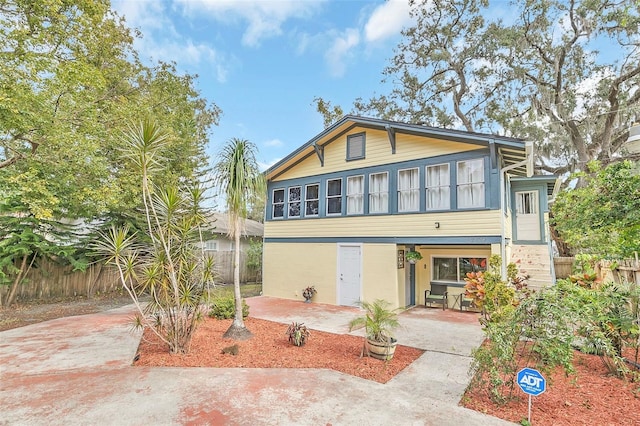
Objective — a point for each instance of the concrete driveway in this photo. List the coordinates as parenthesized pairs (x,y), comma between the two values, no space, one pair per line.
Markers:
(77,371)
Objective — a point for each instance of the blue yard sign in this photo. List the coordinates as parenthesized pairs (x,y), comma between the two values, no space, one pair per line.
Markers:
(532,383)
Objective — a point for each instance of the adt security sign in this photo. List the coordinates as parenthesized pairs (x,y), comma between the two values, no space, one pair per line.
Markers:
(531,381)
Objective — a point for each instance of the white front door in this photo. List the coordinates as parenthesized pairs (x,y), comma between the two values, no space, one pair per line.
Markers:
(527,216)
(349,268)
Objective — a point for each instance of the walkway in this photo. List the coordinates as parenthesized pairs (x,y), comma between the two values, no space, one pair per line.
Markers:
(77,371)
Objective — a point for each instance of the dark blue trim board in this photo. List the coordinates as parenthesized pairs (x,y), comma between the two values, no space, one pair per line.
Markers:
(481,240)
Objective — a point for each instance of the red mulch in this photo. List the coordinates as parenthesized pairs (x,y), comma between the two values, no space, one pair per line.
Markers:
(270,348)
(592,396)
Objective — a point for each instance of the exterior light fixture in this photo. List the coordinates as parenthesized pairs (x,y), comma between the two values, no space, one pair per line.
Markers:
(437,225)
(633,142)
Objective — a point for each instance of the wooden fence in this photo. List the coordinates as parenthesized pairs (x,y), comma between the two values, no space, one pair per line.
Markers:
(627,270)
(52,281)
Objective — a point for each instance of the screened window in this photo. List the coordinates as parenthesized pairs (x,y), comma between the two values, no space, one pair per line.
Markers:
(527,202)
(334,196)
(311,200)
(408,190)
(295,197)
(379,193)
(355,147)
(455,269)
(278,203)
(211,246)
(471,183)
(355,195)
(437,184)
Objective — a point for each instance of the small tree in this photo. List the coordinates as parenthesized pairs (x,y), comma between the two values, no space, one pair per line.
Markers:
(240,181)
(165,261)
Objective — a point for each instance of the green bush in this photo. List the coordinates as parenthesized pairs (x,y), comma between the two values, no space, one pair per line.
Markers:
(225,308)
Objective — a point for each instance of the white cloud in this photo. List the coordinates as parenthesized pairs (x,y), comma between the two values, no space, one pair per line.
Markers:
(274,143)
(161,40)
(264,18)
(264,166)
(340,52)
(387,20)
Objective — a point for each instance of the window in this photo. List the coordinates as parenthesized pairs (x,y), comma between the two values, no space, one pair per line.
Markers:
(294,201)
(527,202)
(355,195)
(311,200)
(408,190)
(454,269)
(211,246)
(334,196)
(379,193)
(355,147)
(437,184)
(471,183)
(278,203)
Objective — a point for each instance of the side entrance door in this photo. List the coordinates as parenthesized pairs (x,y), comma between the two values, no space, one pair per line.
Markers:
(349,274)
(527,216)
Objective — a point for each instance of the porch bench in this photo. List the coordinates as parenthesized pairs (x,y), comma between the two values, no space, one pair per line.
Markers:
(436,296)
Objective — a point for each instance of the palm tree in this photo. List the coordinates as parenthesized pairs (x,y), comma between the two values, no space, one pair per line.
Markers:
(239,179)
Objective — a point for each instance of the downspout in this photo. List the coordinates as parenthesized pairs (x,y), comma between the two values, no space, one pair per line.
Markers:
(528,161)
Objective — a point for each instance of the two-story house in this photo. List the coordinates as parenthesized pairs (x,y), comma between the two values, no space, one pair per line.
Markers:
(344,209)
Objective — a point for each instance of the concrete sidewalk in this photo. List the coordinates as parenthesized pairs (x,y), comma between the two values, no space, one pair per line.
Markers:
(77,371)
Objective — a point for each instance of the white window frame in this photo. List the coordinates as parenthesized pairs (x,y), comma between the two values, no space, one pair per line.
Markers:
(210,245)
(413,190)
(330,197)
(378,194)
(439,187)
(274,204)
(460,279)
(308,200)
(355,196)
(466,183)
(291,202)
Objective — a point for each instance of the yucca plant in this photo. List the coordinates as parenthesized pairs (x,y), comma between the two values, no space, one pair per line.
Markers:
(165,261)
(298,333)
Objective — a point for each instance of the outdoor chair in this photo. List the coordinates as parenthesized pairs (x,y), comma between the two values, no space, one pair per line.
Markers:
(436,296)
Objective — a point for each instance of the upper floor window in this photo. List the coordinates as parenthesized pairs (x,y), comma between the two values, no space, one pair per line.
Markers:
(408,190)
(355,147)
(211,246)
(437,183)
(311,200)
(355,195)
(379,192)
(278,203)
(471,183)
(295,197)
(334,196)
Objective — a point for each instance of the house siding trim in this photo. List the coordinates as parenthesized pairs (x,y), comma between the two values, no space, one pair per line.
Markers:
(477,240)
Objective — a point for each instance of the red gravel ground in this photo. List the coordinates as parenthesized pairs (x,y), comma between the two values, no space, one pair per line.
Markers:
(270,348)
(590,397)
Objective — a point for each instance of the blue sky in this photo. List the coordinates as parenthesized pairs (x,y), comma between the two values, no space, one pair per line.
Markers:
(262,62)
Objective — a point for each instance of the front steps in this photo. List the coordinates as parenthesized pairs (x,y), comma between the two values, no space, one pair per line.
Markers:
(534,261)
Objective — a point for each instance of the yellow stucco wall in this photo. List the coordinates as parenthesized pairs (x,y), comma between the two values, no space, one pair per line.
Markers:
(423,266)
(377,152)
(475,223)
(290,267)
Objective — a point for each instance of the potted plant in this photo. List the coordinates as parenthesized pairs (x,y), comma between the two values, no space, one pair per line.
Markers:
(308,293)
(298,333)
(379,322)
(413,256)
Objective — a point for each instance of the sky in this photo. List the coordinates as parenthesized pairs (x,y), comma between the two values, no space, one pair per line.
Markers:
(264,61)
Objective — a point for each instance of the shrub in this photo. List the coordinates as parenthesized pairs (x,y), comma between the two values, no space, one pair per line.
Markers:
(225,308)
(298,333)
